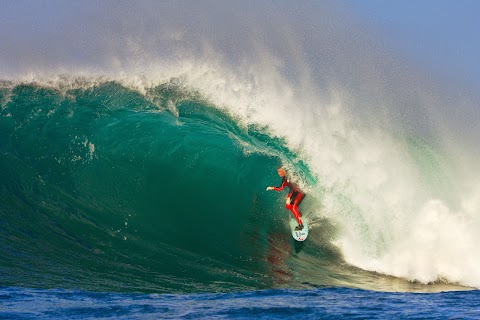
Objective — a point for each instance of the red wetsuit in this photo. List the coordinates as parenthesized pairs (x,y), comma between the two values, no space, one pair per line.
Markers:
(295,196)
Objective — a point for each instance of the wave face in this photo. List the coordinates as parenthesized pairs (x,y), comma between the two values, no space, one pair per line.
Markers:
(105,189)
(100,183)
(135,153)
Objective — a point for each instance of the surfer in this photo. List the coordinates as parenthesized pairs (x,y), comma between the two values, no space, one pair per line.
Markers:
(294,197)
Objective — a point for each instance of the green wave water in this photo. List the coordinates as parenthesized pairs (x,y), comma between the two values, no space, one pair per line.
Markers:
(102,189)
(107,189)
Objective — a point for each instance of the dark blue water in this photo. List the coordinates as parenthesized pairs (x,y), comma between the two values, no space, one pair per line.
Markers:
(321,303)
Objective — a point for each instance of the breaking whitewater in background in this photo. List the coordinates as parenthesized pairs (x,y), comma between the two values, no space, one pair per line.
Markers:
(136,142)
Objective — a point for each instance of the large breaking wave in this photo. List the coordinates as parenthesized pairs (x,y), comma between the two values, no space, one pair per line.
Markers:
(139,160)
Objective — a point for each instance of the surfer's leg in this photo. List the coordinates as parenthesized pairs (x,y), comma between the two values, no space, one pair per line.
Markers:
(295,212)
(298,199)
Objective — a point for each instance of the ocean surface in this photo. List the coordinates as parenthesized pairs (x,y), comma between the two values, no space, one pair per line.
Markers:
(321,303)
(134,167)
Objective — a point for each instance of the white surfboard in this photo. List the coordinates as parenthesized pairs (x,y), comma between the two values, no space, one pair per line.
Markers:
(299,235)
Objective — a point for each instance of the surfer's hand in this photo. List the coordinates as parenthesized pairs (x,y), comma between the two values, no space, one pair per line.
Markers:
(269,188)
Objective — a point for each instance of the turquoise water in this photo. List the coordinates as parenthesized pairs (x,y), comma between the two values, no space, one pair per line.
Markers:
(105,189)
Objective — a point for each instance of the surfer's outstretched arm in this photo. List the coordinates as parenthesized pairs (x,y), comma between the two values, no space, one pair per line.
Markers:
(284,184)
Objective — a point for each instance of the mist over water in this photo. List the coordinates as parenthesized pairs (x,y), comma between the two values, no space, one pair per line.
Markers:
(392,151)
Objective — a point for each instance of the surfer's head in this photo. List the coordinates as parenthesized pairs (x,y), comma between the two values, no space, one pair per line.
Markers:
(281,172)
